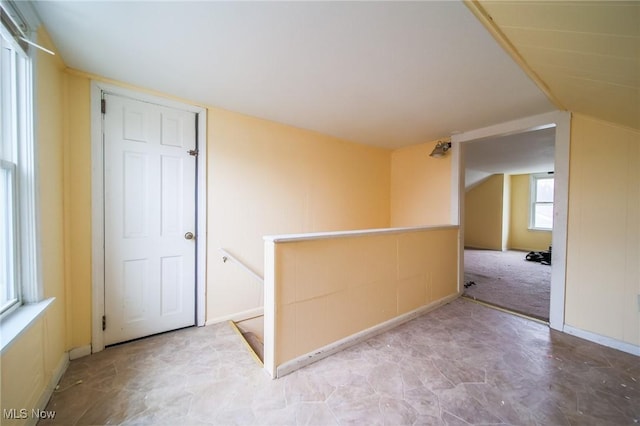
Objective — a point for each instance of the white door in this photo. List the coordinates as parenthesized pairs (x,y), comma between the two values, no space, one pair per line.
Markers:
(149,214)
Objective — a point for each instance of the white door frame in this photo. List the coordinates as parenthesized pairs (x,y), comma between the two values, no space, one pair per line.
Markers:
(97,202)
(562,122)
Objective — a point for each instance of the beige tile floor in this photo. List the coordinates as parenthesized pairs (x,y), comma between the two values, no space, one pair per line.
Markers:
(461,364)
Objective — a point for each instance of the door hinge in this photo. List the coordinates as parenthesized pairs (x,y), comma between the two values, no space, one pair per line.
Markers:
(193,152)
(103,106)
(104,323)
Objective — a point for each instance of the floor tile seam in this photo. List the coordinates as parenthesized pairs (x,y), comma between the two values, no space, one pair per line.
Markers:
(560,409)
(614,405)
(190,413)
(443,411)
(333,413)
(610,367)
(486,407)
(609,393)
(318,403)
(335,388)
(444,376)
(433,393)
(86,410)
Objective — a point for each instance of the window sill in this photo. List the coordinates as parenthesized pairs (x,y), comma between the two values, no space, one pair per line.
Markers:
(18,321)
(540,230)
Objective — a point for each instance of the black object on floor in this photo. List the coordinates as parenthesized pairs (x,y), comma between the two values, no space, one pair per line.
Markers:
(543,257)
(469,284)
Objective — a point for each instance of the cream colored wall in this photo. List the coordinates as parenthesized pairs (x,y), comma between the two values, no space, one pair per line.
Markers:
(328,289)
(23,372)
(263,178)
(483,214)
(29,364)
(267,178)
(521,237)
(506,211)
(603,248)
(420,187)
(78,209)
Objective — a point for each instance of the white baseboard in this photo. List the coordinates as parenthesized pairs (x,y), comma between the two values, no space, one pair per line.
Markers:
(48,390)
(239,316)
(603,340)
(332,348)
(76,353)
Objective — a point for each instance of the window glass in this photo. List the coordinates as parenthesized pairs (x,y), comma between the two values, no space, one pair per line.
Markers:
(544,190)
(9,294)
(16,173)
(543,216)
(542,187)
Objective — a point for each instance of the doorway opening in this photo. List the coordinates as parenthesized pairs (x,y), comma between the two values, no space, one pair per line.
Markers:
(531,131)
(145,166)
(508,221)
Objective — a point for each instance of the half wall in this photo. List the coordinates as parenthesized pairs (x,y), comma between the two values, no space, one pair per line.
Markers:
(322,289)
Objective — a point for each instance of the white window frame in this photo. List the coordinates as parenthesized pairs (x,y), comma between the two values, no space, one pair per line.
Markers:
(533,197)
(18,148)
(10,245)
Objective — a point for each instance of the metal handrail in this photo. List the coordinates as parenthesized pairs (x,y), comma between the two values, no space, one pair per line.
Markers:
(228,256)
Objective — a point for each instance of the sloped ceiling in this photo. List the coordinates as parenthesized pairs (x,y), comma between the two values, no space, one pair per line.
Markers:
(586,52)
(528,152)
(388,74)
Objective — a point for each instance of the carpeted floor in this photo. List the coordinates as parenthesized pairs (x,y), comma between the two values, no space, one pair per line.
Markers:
(507,280)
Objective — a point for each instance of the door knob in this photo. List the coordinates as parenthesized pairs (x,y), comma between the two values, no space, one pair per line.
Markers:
(189,236)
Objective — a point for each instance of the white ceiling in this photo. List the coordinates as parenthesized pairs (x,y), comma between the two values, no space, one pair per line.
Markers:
(389,74)
(530,152)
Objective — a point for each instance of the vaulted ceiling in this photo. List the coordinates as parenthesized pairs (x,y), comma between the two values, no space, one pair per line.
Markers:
(389,74)
(381,73)
(587,53)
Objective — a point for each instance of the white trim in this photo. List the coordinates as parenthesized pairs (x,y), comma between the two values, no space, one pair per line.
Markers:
(457,179)
(533,196)
(228,256)
(287,238)
(237,317)
(337,346)
(97,220)
(457,206)
(560,220)
(29,211)
(12,277)
(28,13)
(269,328)
(535,122)
(201,218)
(562,122)
(80,352)
(14,325)
(60,369)
(603,340)
(97,202)
(22,151)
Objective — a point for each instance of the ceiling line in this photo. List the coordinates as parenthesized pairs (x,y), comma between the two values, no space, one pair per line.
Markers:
(483,16)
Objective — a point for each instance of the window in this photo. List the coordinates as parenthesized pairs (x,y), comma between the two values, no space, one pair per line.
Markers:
(541,202)
(10,291)
(18,260)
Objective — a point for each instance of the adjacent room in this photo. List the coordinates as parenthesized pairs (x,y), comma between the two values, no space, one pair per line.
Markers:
(509,221)
(268,213)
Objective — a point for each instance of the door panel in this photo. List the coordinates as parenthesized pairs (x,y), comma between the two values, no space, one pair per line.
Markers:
(171,170)
(171,280)
(134,184)
(149,206)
